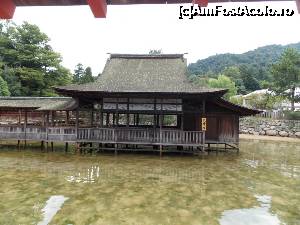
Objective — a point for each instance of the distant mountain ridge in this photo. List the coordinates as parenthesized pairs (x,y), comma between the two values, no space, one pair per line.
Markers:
(261,57)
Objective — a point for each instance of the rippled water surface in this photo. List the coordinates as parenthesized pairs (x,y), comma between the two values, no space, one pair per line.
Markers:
(258,186)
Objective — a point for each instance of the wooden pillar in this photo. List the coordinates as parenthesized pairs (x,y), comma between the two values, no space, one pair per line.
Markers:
(101,113)
(25,128)
(92,118)
(76,123)
(42,145)
(7,9)
(127,115)
(66,147)
(203,115)
(160,134)
(47,125)
(107,119)
(114,119)
(117,114)
(137,119)
(98,7)
(116,149)
(52,118)
(67,118)
(77,147)
(19,117)
(51,146)
(18,144)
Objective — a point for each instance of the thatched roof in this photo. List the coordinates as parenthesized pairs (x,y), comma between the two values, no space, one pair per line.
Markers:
(126,73)
(38,103)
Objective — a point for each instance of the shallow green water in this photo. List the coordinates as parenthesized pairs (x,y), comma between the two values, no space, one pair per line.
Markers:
(260,185)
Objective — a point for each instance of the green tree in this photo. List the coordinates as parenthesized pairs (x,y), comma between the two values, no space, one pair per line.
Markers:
(87,76)
(223,82)
(248,77)
(81,75)
(29,65)
(286,76)
(3,88)
(234,73)
(78,73)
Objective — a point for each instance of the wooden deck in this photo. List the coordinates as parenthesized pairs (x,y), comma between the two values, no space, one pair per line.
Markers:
(116,135)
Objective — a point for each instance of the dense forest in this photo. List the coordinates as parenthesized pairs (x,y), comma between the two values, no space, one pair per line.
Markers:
(250,71)
(28,64)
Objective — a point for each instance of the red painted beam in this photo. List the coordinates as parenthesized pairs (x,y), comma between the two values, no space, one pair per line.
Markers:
(201,3)
(7,9)
(98,7)
(298,5)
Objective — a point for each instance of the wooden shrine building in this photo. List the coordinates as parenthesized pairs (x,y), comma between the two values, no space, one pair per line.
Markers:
(138,102)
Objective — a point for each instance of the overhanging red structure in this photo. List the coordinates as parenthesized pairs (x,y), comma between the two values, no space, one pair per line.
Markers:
(99,7)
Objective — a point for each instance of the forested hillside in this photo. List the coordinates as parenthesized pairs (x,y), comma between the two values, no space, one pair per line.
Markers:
(260,58)
(249,71)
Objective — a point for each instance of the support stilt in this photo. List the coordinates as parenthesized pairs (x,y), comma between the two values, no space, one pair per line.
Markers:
(160,150)
(51,146)
(42,145)
(116,149)
(19,145)
(66,147)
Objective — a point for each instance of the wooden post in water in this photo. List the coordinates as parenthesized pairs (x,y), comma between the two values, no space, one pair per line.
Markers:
(51,146)
(66,147)
(116,149)
(18,144)
(42,145)
(77,147)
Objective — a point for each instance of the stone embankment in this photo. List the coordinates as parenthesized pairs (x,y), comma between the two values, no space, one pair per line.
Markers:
(270,127)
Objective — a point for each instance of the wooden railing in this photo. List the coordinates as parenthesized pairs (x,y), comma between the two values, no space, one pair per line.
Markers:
(104,135)
(146,136)
(38,133)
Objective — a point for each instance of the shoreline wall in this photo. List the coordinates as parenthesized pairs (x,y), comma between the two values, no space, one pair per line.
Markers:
(270,127)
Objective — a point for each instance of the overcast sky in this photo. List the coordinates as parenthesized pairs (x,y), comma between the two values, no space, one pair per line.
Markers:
(79,37)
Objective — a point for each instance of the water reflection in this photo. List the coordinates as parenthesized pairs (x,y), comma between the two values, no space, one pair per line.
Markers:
(89,175)
(254,216)
(144,189)
(53,205)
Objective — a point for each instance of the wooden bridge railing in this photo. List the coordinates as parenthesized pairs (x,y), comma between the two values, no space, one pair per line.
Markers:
(105,135)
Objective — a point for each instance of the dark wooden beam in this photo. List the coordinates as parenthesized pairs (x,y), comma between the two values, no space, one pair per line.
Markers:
(7,9)
(67,118)
(98,7)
